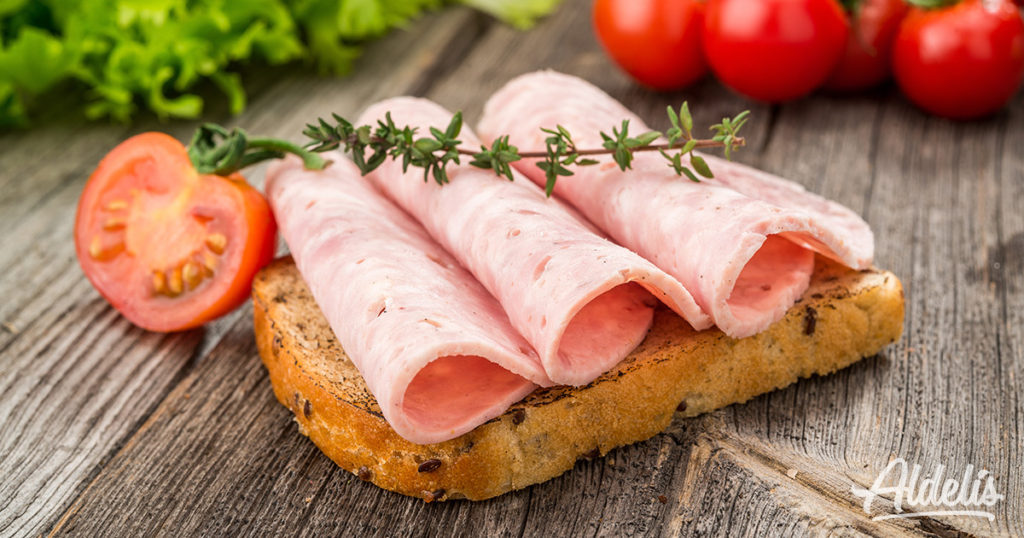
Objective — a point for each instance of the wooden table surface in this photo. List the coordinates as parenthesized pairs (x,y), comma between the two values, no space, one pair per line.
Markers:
(106,429)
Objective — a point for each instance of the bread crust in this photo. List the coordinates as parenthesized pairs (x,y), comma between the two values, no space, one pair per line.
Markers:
(844,315)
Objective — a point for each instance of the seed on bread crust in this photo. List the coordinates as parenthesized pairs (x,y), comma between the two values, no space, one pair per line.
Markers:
(429,466)
(431,496)
(810,320)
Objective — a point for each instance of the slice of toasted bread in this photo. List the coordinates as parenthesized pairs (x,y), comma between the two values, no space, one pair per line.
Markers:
(845,315)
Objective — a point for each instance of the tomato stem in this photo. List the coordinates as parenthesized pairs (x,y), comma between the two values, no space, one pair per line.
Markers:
(931,4)
(310,160)
(216,150)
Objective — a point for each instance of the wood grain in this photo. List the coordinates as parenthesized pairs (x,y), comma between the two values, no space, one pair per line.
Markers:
(180,435)
(76,378)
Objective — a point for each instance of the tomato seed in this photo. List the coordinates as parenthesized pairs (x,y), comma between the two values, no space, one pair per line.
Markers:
(190,272)
(159,282)
(174,283)
(210,263)
(217,242)
(113,224)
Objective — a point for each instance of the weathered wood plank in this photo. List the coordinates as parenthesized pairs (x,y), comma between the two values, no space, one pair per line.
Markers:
(934,205)
(72,388)
(220,456)
(76,378)
(926,193)
(1005,264)
(908,174)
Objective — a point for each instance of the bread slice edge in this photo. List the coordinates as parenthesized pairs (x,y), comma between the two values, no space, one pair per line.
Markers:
(845,315)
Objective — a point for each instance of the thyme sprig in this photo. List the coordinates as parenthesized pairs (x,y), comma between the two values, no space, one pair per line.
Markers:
(214,149)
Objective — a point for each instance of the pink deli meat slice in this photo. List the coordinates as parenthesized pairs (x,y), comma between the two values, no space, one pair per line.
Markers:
(742,243)
(579,299)
(434,347)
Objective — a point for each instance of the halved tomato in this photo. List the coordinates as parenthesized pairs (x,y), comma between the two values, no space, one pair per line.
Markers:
(168,247)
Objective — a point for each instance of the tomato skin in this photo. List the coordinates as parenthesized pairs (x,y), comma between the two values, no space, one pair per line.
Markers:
(866,60)
(658,42)
(962,62)
(145,210)
(774,50)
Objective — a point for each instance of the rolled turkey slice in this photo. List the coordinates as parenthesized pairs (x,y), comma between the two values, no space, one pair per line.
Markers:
(742,244)
(434,347)
(579,299)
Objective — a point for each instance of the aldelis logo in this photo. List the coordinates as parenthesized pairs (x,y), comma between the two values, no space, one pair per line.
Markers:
(931,495)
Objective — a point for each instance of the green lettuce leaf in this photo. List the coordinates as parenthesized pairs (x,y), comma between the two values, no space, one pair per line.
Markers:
(132,54)
(35,60)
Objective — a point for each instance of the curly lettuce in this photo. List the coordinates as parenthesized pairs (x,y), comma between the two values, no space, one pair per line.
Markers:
(152,54)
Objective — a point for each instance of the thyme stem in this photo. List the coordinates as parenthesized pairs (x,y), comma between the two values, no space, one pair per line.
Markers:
(215,149)
(700,144)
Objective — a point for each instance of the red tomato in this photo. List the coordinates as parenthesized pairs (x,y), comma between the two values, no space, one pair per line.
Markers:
(774,50)
(656,41)
(169,248)
(865,63)
(963,61)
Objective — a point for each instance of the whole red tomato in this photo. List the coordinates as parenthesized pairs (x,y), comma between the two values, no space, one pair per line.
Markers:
(774,50)
(656,41)
(963,61)
(865,63)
